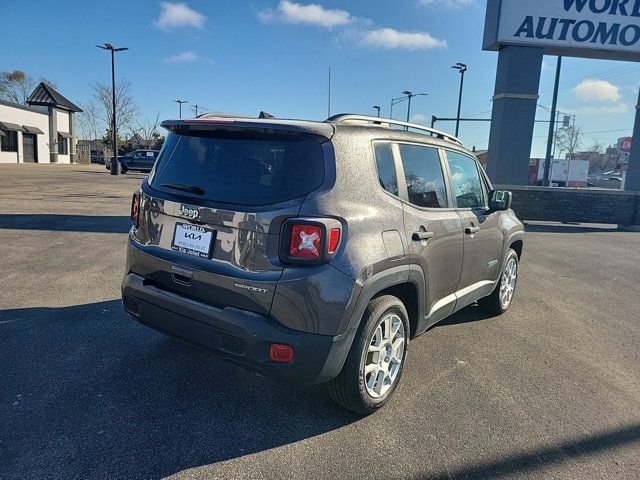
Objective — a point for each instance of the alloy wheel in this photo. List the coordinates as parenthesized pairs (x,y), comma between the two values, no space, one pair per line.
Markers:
(385,354)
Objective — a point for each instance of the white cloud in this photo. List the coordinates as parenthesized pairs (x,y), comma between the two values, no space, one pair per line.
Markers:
(614,109)
(183,57)
(174,15)
(311,14)
(448,3)
(389,38)
(418,118)
(592,90)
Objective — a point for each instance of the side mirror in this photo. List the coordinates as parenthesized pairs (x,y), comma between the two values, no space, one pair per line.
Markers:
(500,200)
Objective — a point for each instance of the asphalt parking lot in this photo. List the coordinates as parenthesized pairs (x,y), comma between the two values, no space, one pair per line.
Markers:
(551,389)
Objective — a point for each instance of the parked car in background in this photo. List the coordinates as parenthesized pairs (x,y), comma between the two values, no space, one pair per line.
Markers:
(97,157)
(315,251)
(138,160)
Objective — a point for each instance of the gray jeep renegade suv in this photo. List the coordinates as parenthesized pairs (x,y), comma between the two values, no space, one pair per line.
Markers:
(314,251)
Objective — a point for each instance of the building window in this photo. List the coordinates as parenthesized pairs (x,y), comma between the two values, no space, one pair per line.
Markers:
(9,141)
(63,145)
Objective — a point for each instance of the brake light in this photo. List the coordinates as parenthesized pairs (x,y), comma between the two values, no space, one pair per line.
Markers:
(135,209)
(334,240)
(306,241)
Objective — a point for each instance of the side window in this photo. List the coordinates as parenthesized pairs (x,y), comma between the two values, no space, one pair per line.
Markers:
(468,187)
(425,180)
(386,167)
(9,142)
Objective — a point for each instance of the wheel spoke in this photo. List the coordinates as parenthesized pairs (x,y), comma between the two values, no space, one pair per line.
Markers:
(386,324)
(397,349)
(397,324)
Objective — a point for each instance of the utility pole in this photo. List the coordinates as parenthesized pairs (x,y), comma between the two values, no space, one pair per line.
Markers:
(114,162)
(195,108)
(554,108)
(180,102)
(461,67)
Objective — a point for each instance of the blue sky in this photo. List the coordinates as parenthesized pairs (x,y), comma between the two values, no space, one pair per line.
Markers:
(246,56)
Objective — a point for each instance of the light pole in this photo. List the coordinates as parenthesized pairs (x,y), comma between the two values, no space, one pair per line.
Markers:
(410,95)
(395,101)
(180,102)
(376,107)
(461,67)
(113,50)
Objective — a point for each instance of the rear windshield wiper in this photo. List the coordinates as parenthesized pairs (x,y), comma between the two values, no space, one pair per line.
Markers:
(184,188)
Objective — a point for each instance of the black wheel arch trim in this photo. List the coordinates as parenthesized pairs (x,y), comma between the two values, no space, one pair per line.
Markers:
(371,287)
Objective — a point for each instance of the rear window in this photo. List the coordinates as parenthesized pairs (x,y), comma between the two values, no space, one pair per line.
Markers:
(258,170)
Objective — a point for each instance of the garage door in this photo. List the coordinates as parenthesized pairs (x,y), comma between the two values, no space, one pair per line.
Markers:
(29,148)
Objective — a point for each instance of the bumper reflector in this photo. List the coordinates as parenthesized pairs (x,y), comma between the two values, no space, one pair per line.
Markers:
(281,353)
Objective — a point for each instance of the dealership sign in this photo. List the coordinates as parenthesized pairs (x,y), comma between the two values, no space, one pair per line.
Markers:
(581,28)
(624,144)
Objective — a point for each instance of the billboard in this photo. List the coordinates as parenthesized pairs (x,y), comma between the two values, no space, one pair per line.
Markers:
(607,29)
(624,144)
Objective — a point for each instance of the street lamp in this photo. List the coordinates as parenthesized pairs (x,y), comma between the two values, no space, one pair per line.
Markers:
(180,102)
(395,101)
(113,50)
(410,95)
(376,107)
(461,67)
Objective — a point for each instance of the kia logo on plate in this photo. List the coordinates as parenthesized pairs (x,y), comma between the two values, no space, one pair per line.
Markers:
(193,236)
(188,212)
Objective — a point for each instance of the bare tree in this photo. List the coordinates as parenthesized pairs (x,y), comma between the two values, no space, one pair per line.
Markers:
(126,108)
(89,121)
(568,140)
(16,86)
(598,161)
(146,132)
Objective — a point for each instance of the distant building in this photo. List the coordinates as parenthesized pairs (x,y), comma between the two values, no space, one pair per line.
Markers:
(43,131)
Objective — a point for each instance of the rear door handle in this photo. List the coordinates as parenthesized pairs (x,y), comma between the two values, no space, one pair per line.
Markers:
(471,230)
(421,236)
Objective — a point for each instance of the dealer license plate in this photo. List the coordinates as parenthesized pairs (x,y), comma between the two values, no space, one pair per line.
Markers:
(193,240)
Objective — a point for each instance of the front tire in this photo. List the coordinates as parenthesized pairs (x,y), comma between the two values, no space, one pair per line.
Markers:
(502,296)
(374,365)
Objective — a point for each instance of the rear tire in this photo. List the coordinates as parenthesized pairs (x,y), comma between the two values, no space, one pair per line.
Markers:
(502,296)
(375,362)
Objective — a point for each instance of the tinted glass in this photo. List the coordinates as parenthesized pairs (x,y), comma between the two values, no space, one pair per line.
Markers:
(248,171)
(386,167)
(425,180)
(467,184)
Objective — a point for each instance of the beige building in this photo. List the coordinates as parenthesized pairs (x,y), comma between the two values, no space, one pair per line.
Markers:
(43,131)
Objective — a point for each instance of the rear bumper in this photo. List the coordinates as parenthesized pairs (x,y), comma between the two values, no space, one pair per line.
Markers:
(239,336)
